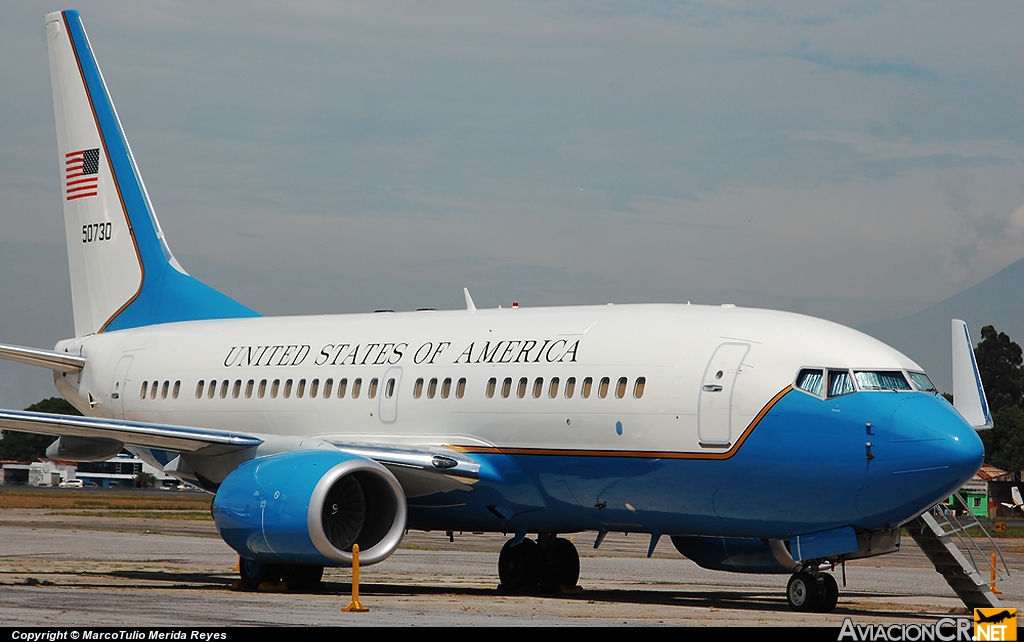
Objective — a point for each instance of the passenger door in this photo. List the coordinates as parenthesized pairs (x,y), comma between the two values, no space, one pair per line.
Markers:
(716,411)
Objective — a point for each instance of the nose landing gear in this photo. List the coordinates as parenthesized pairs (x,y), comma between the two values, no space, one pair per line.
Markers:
(812,592)
(549,563)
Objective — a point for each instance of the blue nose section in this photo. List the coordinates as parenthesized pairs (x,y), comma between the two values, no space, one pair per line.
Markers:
(929,451)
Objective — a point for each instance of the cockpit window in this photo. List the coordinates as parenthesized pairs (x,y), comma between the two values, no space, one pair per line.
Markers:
(811,380)
(882,380)
(839,383)
(922,382)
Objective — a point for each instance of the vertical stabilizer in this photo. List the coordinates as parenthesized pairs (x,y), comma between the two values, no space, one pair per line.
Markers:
(122,272)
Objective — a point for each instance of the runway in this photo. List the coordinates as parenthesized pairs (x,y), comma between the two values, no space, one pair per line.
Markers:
(76,570)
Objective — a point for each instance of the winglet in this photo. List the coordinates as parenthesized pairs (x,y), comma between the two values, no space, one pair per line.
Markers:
(968,392)
(469,300)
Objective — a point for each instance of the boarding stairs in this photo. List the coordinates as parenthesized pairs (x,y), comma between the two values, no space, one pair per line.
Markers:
(965,561)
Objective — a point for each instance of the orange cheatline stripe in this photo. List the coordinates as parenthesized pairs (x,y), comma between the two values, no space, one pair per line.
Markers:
(637,454)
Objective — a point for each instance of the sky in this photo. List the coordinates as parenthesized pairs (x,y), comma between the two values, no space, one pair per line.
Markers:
(856,161)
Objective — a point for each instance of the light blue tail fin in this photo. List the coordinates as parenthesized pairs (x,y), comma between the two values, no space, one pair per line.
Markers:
(123,275)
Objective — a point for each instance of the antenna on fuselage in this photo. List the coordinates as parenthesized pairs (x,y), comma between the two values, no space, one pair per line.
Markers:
(469,300)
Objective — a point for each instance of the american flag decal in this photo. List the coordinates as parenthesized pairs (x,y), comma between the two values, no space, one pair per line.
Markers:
(81,171)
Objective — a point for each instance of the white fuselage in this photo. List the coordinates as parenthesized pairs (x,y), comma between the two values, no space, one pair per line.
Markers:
(264,370)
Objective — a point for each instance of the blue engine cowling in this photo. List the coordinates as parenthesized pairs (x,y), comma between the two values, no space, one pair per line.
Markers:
(736,555)
(310,507)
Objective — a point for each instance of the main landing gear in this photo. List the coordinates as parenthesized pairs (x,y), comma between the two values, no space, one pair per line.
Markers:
(549,563)
(812,592)
(296,577)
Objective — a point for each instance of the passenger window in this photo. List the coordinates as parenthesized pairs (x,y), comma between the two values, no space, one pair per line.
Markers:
(373,388)
(287,388)
(342,386)
(417,388)
(538,387)
(262,389)
(328,386)
(446,388)
(274,388)
(432,388)
(177,387)
(492,383)
(389,390)
(248,388)
(163,390)
(357,384)
(638,387)
(237,389)
(839,383)
(199,390)
(314,387)
(602,391)
(154,388)
(570,387)
(224,389)
(521,388)
(587,385)
(145,386)
(620,388)
(301,388)
(506,387)
(553,388)
(811,380)
(460,389)
(212,390)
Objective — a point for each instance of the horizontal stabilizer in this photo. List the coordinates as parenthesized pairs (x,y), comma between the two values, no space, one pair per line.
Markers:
(968,393)
(55,361)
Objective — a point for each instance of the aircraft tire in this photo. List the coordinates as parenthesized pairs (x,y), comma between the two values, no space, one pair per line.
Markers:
(303,578)
(803,593)
(254,573)
(567,564)
(518,566)
(828,593)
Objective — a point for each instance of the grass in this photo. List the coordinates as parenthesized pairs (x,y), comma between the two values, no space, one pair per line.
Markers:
(79,500)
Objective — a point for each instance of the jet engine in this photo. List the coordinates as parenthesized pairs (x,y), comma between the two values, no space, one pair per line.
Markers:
(309,508)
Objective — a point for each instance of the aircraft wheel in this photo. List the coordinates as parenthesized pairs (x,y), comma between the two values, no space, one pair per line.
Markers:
(802,592)
(828,593)
(567,563)
(303,578)
(518,565)
(254,573)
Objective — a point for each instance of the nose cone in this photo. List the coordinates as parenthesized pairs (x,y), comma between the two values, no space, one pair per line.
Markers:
(928,454)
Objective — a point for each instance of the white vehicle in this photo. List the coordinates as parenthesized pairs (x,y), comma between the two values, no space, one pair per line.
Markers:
(758,441)
(72,483)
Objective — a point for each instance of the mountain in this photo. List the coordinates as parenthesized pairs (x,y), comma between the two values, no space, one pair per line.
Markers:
(925,336)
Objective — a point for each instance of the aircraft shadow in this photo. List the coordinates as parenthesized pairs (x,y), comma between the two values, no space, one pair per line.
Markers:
(739,600)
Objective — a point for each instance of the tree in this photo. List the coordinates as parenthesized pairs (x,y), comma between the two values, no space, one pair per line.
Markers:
(1004,443)
(23,446)
(145,480)
(999,361)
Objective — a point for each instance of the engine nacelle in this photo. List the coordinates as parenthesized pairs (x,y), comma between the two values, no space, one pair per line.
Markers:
(736,555)
(310,507)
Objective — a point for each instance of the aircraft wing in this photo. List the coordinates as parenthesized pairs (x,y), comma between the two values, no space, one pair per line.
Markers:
(419,471)
(177,438)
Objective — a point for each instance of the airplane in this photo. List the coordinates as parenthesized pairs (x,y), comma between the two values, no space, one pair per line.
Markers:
(756,440)
(1018,501)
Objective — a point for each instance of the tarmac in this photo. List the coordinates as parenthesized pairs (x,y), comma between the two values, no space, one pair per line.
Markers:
(81,570)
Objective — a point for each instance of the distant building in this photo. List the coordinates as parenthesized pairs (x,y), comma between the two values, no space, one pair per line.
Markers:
(118,472)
